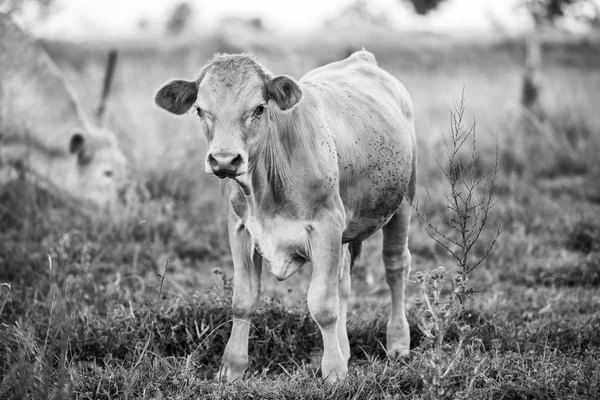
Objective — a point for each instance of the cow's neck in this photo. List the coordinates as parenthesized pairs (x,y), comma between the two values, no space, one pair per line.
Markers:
(295,165)
(290,181)
(17,147)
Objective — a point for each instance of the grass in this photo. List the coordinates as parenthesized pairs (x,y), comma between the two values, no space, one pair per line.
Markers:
(138,307)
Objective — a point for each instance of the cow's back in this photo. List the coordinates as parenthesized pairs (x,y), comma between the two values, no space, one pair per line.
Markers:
(360,78)
(21,55)
(36,103)
(370,116)
(42,125)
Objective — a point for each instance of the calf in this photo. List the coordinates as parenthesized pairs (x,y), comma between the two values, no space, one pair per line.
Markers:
(310,169)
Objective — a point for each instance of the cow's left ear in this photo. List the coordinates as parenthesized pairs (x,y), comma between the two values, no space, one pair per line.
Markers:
(284,91)
(77,146)
(177,96)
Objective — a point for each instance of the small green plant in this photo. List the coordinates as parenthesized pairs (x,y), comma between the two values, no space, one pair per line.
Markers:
(40,369)
(6,298)
(439,315)
(436,316)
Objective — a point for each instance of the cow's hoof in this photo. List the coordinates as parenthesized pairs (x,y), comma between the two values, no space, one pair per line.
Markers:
(398,352)
(332,375)
(228,373)
(398,340)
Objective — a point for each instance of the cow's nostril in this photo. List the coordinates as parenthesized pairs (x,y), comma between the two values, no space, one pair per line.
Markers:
(212,161)
(237,161)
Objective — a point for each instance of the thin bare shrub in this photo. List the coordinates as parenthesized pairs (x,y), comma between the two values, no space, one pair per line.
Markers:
(469,199)
(442,307)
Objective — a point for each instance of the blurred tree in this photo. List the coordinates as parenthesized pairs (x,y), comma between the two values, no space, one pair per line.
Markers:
(257,24)
(422,7)
(43,8)
(14,5)
(180,18)
(548,11)
(360,12)
(544,13)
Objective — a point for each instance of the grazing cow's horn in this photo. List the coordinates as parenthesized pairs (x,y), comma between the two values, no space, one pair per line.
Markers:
(108,78)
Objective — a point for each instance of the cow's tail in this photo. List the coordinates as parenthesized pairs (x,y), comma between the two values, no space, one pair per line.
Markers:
(354,248)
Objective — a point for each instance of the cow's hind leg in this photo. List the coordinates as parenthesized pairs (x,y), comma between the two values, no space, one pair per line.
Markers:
(351,252)
(397,259)
(246,291)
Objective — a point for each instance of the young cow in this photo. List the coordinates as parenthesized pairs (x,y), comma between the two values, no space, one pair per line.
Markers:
(310,169)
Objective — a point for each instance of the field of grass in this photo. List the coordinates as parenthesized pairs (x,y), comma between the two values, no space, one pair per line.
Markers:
(138,306)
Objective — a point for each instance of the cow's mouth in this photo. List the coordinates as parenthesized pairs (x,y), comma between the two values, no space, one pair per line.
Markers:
(227,174)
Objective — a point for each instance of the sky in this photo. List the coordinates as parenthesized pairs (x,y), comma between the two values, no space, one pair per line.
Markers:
(82,18)
(89,19)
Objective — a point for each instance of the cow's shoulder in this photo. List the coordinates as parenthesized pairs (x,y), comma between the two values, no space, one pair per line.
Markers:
(362,56)
(358,62)
(358,78)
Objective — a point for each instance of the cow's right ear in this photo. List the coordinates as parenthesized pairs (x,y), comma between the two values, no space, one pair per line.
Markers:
(177,96)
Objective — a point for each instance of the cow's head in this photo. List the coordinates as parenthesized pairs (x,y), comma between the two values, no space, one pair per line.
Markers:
(90,167)
(84,162)
(232,98)
(97,168)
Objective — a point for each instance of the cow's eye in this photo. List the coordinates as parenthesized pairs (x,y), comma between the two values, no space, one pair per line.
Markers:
(200,112)
(258,111)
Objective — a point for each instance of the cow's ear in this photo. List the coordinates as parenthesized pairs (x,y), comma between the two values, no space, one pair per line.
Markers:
(177,96)
(284,91)
(77,146)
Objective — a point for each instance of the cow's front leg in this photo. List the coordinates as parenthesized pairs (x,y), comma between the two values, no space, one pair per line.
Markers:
(324,302)
(344,293)
(246,291)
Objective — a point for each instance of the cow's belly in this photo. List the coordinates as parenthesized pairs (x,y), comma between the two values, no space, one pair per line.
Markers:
(372,197)
(361,228)
(368,213)
(374,178)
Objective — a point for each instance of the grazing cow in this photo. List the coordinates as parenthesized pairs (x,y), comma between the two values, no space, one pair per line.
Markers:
(313,168)
(43,130)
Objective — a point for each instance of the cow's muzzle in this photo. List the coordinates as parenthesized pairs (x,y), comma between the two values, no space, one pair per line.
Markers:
(226,164)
